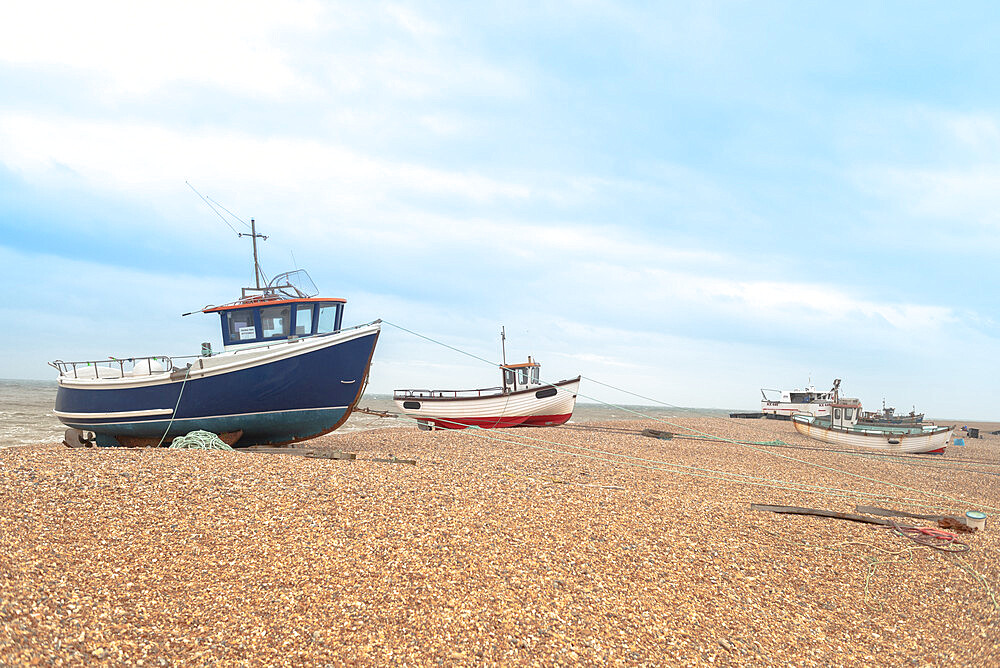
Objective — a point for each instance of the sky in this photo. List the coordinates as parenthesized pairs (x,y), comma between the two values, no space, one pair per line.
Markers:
(686,202)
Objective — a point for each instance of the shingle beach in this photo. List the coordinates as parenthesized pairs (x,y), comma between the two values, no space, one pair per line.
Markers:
(582,544)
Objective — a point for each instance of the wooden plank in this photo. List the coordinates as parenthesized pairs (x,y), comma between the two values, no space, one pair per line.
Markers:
(312,453)
(333,454)
(394,460)
(656,433)
(795,510)
(885,512)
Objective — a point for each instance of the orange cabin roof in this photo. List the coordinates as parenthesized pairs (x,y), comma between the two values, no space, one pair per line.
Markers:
(269,302)
(521,365)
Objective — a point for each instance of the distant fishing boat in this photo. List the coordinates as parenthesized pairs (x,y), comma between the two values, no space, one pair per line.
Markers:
(288,372)
(842,428)
(784,404)
(888,416)
(521,401)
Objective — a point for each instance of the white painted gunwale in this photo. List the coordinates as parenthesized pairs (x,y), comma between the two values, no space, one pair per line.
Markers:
(933,438)
(226,362)
(523,403)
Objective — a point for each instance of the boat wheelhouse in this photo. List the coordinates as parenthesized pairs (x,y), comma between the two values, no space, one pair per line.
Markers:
(288,371)
(783,404)
(841,427)
(282,310)
(523,400)
(888,416)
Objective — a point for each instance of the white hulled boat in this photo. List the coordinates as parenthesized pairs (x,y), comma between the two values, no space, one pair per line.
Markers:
(522,401)
(786,403)
(842,428)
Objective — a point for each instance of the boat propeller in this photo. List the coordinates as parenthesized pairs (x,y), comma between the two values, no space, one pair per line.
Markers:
(75,438)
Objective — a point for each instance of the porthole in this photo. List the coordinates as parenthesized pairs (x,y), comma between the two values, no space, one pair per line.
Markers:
(547,392)
(411,405)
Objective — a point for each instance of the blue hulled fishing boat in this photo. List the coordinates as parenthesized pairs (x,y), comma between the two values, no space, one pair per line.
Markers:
(288,371)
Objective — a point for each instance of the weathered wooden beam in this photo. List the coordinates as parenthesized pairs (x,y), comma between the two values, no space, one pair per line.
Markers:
(795,510)
(394,460)
(312,453)
(333,454)
(885,512)
(656,433)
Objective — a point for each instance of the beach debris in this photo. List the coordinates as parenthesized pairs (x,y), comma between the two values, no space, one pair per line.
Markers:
(310,453)
(199,439)
(927,536)
(796,510)
(393,460)
(943,521)
(656,433)
(75,438)
(376,413)
(932,537)
(956,524)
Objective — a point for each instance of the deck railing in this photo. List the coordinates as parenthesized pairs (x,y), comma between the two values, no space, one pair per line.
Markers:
(114,367)
(443,394)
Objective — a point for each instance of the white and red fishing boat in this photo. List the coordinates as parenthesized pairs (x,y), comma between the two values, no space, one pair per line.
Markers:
(783,404)
(522,401)
(841,428)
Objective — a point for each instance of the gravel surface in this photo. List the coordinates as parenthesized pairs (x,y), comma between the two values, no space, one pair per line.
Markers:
(581,544)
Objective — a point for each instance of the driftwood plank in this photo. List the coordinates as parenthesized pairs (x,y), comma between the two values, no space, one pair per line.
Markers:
(656,433)
(312,453)
(885,512)
(394,460)
(795,510)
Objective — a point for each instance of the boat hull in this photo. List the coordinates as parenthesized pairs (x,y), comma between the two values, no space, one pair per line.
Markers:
(524,408)
(927,440)
(786,410)
(274,395)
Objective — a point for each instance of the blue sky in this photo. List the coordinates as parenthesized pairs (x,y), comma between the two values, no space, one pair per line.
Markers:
(688,202)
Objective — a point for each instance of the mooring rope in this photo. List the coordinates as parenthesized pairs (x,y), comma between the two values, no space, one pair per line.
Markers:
(174,413)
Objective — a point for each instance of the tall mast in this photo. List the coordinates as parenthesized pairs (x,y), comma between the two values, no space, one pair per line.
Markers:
(257,273)
(503,350)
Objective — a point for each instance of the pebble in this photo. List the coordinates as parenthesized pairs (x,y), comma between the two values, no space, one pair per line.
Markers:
(491,551)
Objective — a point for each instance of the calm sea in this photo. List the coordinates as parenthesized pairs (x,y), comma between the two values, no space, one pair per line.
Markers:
(26,413)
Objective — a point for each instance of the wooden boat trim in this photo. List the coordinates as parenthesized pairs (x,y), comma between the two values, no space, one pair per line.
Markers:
(530,390)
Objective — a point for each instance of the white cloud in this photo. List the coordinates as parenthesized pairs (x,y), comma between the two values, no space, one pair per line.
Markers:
(968,196)
(123,156)
(141,46)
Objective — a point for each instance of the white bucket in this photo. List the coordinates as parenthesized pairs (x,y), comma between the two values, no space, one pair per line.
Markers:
(975,519)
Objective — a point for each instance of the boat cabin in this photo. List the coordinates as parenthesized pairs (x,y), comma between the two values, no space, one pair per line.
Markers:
(282,310)
(270,321)
(845,413)
(517,377)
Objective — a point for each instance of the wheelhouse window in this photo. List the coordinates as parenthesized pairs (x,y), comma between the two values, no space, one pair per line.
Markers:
(508,376)
(303,319)
(274,321)
(848,413)
(240,325)
(329,318)
(522,376)
(534,374)
(836,413)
